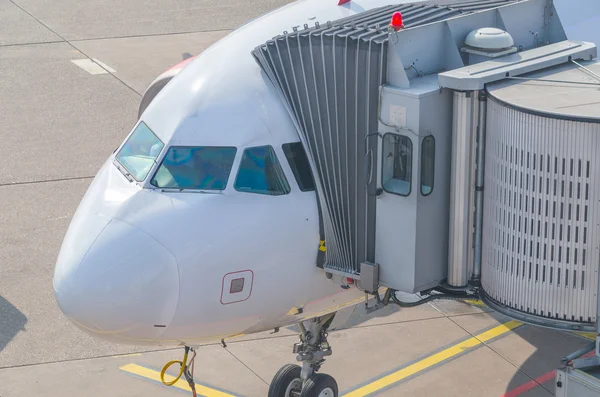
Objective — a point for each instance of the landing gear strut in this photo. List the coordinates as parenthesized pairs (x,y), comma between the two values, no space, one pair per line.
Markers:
(295,381)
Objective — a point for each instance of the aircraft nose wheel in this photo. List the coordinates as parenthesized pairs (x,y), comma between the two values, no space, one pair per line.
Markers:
(320,385)
(286,382)
(295,381)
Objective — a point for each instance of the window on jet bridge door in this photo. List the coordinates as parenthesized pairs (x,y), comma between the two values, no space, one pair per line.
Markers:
(427,165)
(397,164)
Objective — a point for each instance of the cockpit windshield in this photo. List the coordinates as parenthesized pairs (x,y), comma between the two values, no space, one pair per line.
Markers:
(140,151)
(202,168)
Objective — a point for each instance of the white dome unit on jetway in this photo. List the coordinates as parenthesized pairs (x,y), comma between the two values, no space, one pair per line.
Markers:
(486,43)
(489,39)
(541,229)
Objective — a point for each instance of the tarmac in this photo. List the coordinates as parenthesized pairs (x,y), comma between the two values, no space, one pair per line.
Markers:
(71,78)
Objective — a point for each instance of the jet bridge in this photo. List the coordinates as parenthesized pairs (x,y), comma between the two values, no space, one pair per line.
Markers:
(459,151)
(391,147)
(339,81)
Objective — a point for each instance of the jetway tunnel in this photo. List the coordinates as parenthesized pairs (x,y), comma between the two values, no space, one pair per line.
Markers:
(458,151)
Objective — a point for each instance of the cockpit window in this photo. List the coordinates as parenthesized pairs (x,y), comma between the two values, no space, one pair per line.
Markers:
(202,168)
(261,173)
(140,151)
(296,156)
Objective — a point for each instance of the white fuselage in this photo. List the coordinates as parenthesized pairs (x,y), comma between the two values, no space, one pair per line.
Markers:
(145,265)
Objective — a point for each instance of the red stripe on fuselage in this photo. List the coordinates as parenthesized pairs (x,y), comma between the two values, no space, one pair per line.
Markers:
(181,64)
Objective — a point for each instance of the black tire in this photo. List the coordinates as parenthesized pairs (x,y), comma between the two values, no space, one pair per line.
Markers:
(286,375)
(319,383)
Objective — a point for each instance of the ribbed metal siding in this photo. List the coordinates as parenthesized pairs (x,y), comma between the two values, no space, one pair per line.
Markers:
(541,234)
(421,13)
(330,78)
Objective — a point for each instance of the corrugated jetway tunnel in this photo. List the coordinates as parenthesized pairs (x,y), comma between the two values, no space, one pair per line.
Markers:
(441,170)
(330,76)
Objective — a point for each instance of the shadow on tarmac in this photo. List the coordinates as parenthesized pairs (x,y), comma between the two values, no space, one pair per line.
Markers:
(550,347)
(359,316)
(12,321)
(535,376)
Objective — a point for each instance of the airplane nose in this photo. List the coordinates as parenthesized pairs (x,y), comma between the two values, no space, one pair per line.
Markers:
(115,281)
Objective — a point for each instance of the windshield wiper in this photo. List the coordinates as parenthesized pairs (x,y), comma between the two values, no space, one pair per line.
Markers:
(123,171)
(183,190)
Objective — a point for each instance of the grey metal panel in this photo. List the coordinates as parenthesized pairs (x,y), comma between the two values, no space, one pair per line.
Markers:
(460,190)
(369,276)
(514,19)
(328,76)
(541,215)
(475,77)
(435,47)
(577,383)
(471,220)
(479,184)
(431,253)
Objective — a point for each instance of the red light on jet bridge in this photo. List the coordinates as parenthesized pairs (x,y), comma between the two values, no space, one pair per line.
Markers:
(397,23)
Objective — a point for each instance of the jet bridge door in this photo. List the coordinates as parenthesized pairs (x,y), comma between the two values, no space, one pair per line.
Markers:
(412,207)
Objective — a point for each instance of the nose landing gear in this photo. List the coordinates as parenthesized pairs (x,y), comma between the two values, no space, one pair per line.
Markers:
(295,381)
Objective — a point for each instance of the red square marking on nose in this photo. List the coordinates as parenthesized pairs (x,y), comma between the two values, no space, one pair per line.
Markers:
(237,285)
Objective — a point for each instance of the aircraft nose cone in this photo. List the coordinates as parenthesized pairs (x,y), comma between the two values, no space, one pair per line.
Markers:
(115,281)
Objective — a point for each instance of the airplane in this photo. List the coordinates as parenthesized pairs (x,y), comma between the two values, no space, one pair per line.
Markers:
(161,253)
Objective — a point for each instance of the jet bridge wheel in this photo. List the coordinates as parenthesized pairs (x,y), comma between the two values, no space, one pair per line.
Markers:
(320,385)
(286,382)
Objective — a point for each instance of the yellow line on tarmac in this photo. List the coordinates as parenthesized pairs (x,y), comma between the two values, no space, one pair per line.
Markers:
(434,359)
(586,335)
(475,302)
(127,355)
(180,384)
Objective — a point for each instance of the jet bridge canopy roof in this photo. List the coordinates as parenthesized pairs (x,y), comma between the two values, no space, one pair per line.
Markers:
(567,91)
(475,77)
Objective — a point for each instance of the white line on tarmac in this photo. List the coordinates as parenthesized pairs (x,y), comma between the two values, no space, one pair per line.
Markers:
(93,66)
(105,66)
